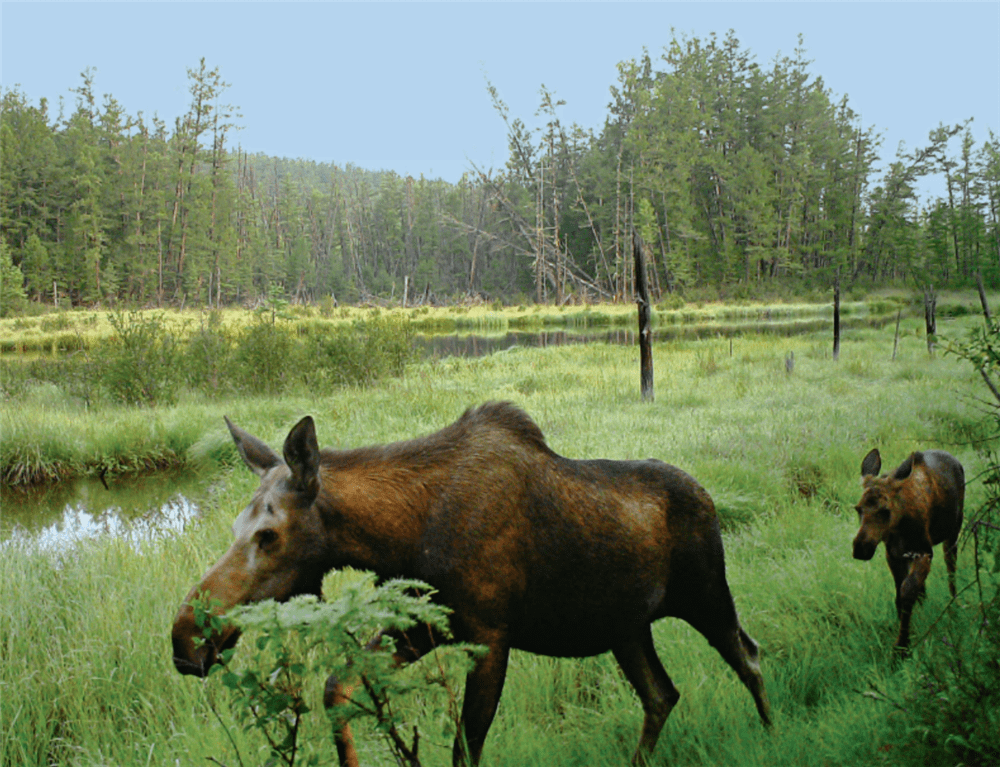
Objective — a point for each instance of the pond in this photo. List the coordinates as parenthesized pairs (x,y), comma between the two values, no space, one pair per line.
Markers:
(137,508)
(474,345)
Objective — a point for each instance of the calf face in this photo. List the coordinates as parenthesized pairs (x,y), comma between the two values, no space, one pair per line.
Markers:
(879,509)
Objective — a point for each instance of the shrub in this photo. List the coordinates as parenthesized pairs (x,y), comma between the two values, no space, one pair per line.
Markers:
(365,352)
(208,361)
(954,698)
(139,366)
(304,640)
(264,361)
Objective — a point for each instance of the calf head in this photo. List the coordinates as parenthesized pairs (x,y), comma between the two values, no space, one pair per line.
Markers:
(277,551)
(883,504)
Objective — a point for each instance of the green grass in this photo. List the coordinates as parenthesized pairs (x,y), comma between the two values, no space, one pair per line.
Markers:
(81,329)
(85,670)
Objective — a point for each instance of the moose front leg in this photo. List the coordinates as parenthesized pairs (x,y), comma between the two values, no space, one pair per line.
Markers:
(910,572)
(410,646)
(335,694)
(483,687)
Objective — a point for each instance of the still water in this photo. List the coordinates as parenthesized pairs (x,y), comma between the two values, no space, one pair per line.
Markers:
(471,345)
(136,508)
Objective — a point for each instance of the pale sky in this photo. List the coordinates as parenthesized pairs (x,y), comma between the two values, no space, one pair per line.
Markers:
(402,86)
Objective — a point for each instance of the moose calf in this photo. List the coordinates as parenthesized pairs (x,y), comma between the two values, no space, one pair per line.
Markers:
(911,510)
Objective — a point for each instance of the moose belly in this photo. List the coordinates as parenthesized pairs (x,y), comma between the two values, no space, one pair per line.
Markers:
(578,629)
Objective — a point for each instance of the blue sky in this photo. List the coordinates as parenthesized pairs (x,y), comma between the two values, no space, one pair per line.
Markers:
(402,86)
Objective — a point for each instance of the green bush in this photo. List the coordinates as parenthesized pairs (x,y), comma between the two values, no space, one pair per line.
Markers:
(139,366)
(953,704)
(300,642)
(209,358)
(360,354)
(58,321)
(264,361)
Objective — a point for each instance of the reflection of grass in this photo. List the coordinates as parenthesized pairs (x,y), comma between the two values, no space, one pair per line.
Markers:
(779,453)
(80,329)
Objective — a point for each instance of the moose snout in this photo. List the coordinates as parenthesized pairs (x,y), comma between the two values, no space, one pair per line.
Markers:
(864,549)
(193,658)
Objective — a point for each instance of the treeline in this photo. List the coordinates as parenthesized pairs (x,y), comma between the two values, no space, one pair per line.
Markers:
(736,175)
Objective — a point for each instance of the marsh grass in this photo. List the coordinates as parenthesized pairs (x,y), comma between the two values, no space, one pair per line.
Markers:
(81,329)
(85,670)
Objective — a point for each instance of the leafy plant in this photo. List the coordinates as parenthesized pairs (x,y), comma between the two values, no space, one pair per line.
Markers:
(209,357)
(298,643)
(264,360)
(139,366)
(360,354)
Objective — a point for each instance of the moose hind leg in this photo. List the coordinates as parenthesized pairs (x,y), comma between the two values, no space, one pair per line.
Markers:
(644,671)
(742,654)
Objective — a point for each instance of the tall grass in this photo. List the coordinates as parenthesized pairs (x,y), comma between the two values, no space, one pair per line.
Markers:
(85,670)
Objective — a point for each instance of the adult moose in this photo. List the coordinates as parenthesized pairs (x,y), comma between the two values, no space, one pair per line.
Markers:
(911,510)
(530,550)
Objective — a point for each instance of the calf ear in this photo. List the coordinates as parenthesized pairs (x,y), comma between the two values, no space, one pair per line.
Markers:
(872,463)
(255,454)
(906,467)
(302,456)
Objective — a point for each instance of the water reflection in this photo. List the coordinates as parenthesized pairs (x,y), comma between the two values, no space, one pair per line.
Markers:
(472,345)
(135,509)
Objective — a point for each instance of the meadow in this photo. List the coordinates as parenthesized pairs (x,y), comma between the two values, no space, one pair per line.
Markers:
(85,671)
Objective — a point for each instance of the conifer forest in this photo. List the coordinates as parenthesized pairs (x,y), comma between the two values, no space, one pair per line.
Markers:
(741,177)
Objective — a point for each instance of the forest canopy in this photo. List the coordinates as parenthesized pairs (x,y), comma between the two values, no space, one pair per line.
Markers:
(739,176)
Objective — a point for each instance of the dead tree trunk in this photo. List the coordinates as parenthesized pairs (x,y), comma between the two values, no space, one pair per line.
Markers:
(895,338)
(930,318)
(645,311)
(836,317)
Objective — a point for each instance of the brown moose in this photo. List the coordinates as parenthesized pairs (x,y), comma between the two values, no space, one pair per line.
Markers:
(911,510)
(532,551)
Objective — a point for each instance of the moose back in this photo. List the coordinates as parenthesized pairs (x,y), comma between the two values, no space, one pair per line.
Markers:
(532,551)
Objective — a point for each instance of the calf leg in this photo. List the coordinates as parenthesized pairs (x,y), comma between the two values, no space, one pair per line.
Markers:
(410,646)
(950,561)
(910,575)
(641,665)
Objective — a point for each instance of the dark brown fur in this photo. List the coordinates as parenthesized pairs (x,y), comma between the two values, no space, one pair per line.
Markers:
(911,510)
(531,550)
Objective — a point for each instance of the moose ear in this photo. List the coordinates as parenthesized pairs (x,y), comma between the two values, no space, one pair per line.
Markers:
(906,467)
(302,456)
(258,456)
(872,463)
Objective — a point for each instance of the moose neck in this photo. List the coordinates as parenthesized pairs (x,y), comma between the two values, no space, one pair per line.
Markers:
(375,503)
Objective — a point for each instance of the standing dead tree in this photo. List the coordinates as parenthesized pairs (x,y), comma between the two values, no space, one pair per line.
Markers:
(645,312)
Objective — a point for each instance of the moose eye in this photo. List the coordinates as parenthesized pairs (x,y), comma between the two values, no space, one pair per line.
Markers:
(266,539)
